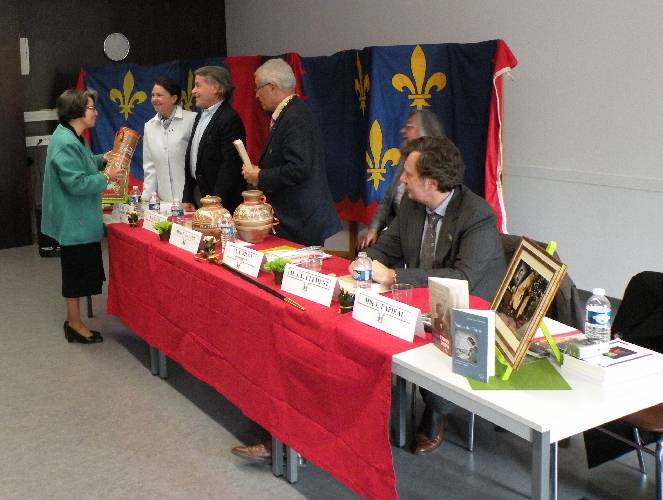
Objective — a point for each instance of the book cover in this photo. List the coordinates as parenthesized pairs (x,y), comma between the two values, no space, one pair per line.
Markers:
(445,294)
(624,361)
(473,340)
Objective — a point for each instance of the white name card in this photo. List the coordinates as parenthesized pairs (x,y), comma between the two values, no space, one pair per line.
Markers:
(309,284)
(185,238)
(390,316)
(150,218)
(243,259)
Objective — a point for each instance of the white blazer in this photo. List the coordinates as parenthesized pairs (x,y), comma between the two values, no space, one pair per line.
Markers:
(163,155)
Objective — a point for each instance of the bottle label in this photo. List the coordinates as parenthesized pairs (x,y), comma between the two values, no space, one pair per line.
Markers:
(154,206)
(227,230)
(361,274)
(598,318)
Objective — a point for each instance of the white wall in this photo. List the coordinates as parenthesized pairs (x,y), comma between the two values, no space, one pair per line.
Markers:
(584,114)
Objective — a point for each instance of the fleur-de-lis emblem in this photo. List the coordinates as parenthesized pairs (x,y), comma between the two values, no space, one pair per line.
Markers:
(187,98)
(127,100)
(377,164)
(420,90)
(362,85)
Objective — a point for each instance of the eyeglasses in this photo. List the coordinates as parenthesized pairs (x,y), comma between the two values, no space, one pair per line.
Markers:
(93,108)
(261,86)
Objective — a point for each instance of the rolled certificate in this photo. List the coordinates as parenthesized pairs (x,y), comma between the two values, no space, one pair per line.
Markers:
(239,146)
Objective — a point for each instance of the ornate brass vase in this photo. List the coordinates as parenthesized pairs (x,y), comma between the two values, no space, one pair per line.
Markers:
(254,218)
(207,219)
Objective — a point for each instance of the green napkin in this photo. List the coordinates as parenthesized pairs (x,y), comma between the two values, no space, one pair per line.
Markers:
(534,374)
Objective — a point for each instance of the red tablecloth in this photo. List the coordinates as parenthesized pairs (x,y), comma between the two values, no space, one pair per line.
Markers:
(317,380)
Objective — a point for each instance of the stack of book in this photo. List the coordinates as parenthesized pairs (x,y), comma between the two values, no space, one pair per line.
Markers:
(623,361)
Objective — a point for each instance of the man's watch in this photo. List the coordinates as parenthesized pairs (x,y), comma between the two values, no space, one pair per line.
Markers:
(394,277)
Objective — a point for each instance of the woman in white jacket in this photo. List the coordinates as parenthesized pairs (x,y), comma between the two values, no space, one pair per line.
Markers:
(165,141)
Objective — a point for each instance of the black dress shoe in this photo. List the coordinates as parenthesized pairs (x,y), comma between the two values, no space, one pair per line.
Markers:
(73,336)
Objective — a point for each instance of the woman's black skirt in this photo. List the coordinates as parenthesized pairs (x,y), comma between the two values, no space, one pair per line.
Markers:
(82,270)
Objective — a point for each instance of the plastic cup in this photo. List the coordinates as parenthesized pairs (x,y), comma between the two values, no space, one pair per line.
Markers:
(402,292)
(314,258)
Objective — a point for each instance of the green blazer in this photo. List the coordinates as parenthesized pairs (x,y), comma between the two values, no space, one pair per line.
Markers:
(71,197)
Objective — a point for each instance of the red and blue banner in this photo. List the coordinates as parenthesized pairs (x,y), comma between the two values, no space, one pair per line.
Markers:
(361,99)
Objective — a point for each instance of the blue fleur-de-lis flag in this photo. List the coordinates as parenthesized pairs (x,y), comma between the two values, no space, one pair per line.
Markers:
(362,99)
(123,99)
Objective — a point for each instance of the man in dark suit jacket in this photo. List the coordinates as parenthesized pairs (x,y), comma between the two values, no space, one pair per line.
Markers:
(442,229)
(292,175)
(212,164)
(292,167)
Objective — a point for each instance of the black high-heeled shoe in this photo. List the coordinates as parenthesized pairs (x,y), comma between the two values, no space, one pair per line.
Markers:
(73,336)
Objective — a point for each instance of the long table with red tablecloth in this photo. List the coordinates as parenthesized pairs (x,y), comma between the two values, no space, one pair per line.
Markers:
(318,381)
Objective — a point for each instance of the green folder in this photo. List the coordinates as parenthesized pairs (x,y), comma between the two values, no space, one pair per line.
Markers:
(534,374)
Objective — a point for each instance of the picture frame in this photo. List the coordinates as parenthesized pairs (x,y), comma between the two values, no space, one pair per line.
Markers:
(527,289)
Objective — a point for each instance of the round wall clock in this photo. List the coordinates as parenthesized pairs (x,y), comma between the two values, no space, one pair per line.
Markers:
(116,46)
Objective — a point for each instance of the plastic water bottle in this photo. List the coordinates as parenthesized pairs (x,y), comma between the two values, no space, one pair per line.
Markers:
(154,203)
(228,231)
(177,212)
(135,197)
(597,316)
(362,270)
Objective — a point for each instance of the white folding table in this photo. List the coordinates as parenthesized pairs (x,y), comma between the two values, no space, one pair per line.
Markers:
(542,417)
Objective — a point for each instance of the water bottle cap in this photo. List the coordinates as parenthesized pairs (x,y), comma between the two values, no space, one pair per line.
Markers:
(362,254)
(598,291)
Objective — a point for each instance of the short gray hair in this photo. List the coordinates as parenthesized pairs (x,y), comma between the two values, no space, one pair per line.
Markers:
(220,75)
(429,124)
(277,72)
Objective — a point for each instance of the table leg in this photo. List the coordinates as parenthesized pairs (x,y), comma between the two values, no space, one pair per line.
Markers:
(553,470)
(291,463)
(163,368)
(90,314)
(470,433)
(403,390)
(277,457)
(541,465)
(154,361)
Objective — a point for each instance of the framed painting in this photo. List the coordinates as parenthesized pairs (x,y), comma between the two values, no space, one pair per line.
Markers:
(528,287)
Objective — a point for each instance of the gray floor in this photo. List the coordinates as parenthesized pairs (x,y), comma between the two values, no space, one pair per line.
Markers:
(91,422)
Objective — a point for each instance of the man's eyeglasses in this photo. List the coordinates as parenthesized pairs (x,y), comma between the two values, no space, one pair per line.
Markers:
(261,86)
(91,107)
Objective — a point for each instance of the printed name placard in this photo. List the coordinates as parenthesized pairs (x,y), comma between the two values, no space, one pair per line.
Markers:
(390,316)
(185,238)
(309,284)
(243,259)
(150,218)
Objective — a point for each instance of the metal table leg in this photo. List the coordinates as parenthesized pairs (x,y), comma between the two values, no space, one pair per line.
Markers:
(90,314)
(470,433)
(277,457)
(541,465)
(553,470)
(403,391)
(154,361)
(291,464)
(163,368)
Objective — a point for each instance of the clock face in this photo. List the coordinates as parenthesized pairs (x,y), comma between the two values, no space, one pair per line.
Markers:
(116,46)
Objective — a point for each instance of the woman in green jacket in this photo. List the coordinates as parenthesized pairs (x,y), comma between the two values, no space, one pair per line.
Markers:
(71,206)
